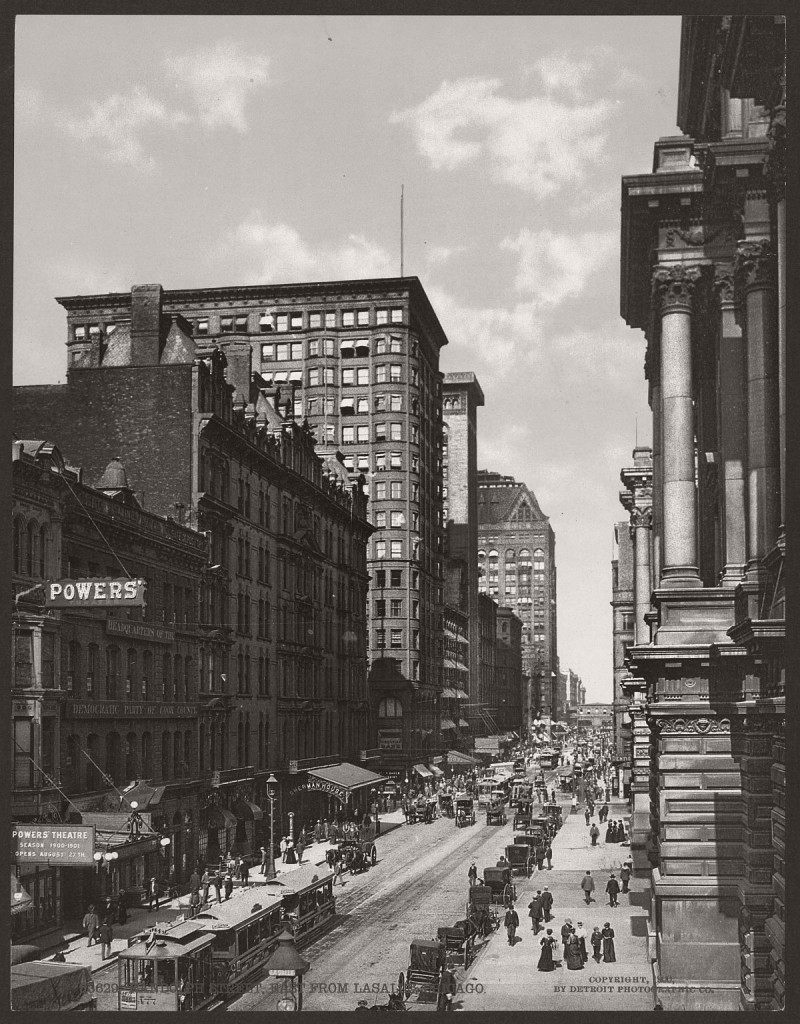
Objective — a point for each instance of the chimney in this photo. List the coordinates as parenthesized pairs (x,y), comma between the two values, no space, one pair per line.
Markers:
(146,301)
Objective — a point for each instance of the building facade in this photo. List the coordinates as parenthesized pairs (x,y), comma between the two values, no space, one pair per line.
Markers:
(516,559)
(359,360)
(509,678)
(280,612)
(703,276)
(622,617)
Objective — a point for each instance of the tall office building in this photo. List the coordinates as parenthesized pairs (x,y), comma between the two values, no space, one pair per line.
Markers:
(516,558)
(360,362)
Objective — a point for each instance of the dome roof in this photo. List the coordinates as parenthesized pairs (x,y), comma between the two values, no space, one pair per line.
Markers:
(115,478)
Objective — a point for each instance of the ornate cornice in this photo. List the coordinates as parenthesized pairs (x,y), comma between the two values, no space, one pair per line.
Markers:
(674,288)
(755,265)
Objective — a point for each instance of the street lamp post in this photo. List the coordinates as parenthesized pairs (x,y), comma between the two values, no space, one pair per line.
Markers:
(272,785)
(286,962)
(291,825)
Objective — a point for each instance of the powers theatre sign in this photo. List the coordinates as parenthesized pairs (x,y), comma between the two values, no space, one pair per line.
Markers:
(55,844)
(94,593)
(321,786)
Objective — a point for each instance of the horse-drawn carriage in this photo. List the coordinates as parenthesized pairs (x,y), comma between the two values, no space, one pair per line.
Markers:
(521,792)
(464,809)
(357,851)
(422,809)
(446,805)
(459,942)
(523,814)
(520,859)
(482,916)
(554,813)
(496,812)
(498,881)
(426,970)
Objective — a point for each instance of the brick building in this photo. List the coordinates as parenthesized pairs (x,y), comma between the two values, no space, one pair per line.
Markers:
(509,679)
(280,616)
(360,360)
(703,277)
(516,559)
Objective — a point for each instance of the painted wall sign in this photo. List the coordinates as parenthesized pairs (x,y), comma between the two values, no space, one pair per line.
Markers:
(56,844)
(95,593)
(140,631)
(127,709)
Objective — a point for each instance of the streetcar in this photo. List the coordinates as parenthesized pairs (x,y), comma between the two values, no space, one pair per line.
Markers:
(167,970)
(521,792)
(308,904)
(548,759)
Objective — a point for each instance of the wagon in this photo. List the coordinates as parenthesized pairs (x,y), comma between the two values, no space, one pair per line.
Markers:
(425,968)
(498,881)
(521,792)
(459,942)
(520,859)
(481,914)
(446,805)
(523,814)
(496,813)
(464,809)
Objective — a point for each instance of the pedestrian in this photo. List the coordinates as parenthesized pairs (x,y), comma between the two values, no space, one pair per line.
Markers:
(566,931)
(326,829)
(106,938)
(472,874)
(587,814)
(612,888)
(610,832)
(547,903)
(263,860)
(152,893)
(552,796)
(228,885)
(217,883)
(512,923)
(244,872)
(572,953)
(581,936)
(548,853)
(609,955)
(122,907)
(337,875)
(594,834)
(547,943)
(290,854)
(587,885)
(596,940)
(206,882)
(300,847)
(539,858)
(625,875)
(447,989)
(91,925)
(574,809)
(535,911)
(284,847)
(603,811)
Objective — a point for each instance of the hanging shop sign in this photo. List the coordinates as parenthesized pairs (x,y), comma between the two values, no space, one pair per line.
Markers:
(56,844)
(323,786)
(95,593)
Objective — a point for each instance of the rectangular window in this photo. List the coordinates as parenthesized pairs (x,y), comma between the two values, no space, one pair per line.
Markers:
(415,492)
(415,435)
(396,549)
(282,322)
(267,353)
(380,490)
(415,609)
(396,490)
(396,577)
(394,371)
(397,316)
(396,460)
(380,520)
(362,375)
(362,404)
(380,403)
(396,403)
(328,380)
(380,608)
(381,316)
(296,321)
(395,344)
(297,350)
(348,463)
(348,318)
(415,378)
(282,352)
(241,323)
(202,326)
(380,639)
(380,549)
(397,519)
(395,638)
(226,324)
(265,322)
(381,374)
(313,376)
(314,320)
(380,578)
(396,432)
(380,431)
(363,462)
(330,321)
(415,463)
(313,346)
(380,460)
(396,608)
(348,377)
(363,433)
(363,318)
(348,435)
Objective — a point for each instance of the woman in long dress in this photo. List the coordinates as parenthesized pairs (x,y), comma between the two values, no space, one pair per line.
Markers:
(609,956)
(546,959)
(572,953)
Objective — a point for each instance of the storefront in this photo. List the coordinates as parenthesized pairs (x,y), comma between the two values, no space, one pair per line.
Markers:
(35,901)
(335,792)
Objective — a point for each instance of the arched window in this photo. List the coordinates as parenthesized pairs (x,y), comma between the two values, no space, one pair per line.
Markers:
(481,555)
(247,738)
(188,752)
(187,677)
(166,762)
(18,543)
(147,752)
(177,752)
(509,554)
(147,673)
(177,674)
(130,679)
(390,707)
(240,742)
(31,553)
(130,755)
(494,554)
(166,677)
(43,544)
(112,672)
(202,748)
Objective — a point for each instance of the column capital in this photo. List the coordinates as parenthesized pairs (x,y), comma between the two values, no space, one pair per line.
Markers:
(641,518)
(755,265)
(725,285)
(673,288)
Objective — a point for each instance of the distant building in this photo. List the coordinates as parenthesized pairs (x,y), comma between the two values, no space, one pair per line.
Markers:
(517,565)
(622,634)
(508,673)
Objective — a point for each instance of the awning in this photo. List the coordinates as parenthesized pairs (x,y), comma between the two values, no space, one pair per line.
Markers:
(20,899)
(436,771)
(144,795)
(113,828)
(420,769)
(456,757)
(463,723)
(217,817)
(447,723)
(462,695)
(346,777)
(447,692)
(247,811)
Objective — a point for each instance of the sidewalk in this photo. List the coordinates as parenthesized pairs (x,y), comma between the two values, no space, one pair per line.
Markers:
(140,918)
(508,976)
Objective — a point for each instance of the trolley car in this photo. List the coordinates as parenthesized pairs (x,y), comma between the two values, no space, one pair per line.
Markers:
(308,902)
(169,970)
(521,792)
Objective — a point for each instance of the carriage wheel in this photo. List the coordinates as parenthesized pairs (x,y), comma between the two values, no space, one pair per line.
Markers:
(401,985)
(408,989)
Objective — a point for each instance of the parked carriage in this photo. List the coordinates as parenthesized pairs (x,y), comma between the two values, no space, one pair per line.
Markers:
(464,809)
(523,815)
(482,916)
(427,961)
(446,805)
(520,859)
(521,792)
(498,881)
(459,942)
(496,813)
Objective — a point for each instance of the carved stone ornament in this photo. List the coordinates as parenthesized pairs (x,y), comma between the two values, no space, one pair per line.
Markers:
(755,264)
(693,237)
(674,287)
(642,517)
(694,725)
(725,286)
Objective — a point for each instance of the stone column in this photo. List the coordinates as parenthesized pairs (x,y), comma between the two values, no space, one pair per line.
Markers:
(673,290)
(657,560)
(731,383)
(756,280)
(641,521)
(775,171)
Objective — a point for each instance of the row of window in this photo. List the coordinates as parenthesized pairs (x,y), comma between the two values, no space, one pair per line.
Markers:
(383,373)
(395,639)
(394,608)
(285,351)
(394,519)
(316,320)
(494,554)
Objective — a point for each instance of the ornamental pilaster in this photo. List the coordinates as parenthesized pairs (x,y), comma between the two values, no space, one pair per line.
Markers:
(755,266)
(674,288)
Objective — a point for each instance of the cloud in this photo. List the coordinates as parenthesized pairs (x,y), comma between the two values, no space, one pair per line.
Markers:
(538,144)
(553,267)
(264,251)
(438,254)
(560,73)
(116,123)
(219,81)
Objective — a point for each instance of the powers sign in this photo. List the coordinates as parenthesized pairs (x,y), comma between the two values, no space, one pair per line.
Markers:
(95,593)
(56,844)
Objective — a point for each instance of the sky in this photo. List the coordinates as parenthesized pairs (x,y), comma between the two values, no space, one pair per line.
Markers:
(206,151)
